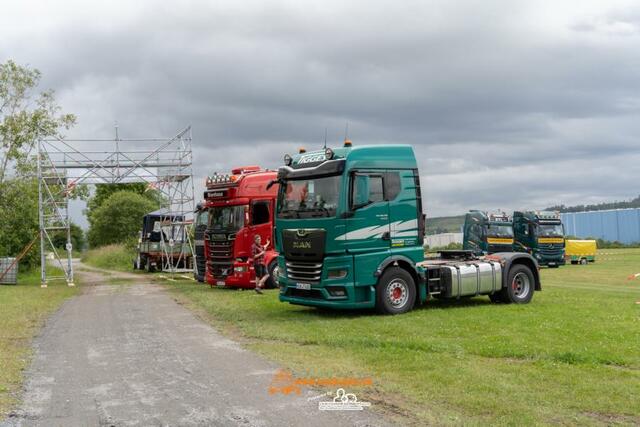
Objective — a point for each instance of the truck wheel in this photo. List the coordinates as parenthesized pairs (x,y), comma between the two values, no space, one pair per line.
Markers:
(271,269)
(520,285)
(583,261)
(395,292)
(150,268)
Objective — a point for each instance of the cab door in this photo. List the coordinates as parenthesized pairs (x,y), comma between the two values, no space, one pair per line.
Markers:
(261,222)
(367,222)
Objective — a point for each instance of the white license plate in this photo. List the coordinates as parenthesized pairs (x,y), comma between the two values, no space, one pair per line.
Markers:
(220,283)
(303,286)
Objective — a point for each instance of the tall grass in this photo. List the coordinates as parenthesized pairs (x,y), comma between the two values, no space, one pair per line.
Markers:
(111,257)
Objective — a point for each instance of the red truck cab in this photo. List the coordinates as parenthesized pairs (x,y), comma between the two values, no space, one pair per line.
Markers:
(240,206)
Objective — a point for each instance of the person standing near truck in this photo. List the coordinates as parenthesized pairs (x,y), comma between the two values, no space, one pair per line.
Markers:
(257,253)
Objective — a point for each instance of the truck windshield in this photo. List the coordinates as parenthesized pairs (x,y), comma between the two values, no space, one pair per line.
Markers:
(499,230)
(550,230)
(226,217)
(308,198)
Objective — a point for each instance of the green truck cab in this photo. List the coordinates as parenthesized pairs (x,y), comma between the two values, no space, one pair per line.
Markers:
(541,234)
(349,232)
(487,233)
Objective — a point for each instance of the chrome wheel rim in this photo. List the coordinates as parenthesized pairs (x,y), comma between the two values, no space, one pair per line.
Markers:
(521,285)
(398,293)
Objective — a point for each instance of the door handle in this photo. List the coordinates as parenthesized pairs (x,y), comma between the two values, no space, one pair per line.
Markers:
(386,236)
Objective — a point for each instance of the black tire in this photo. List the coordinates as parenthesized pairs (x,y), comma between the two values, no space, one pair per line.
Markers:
(271,283)
(520,285)
(584,261)
(149,267)
(395,291)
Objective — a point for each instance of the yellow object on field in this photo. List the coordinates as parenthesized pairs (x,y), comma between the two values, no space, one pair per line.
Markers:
(580,248)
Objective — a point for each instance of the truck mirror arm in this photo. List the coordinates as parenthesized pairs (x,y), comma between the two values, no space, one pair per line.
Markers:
(272,182)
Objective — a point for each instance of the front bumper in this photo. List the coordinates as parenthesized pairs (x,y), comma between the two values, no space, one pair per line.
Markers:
(546,260)
(338,293)
(238,279)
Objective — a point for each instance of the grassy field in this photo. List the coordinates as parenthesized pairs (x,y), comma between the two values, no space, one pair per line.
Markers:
(23,309)
(111,257)
(572,356)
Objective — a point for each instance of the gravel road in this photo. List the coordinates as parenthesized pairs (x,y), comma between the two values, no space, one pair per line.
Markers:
(120,355)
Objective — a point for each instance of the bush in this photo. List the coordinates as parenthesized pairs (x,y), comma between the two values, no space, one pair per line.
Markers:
(119,218)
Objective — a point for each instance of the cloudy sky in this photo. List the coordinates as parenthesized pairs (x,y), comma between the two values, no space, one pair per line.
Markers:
(509,104)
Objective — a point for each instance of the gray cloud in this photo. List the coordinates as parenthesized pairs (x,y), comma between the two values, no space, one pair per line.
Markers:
(508,104)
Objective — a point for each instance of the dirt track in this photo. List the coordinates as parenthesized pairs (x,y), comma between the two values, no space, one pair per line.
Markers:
(130,355)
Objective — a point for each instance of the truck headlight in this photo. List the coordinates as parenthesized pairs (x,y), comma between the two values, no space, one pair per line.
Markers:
(241,269)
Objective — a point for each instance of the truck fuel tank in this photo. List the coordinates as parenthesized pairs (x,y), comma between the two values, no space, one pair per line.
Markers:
(471,278)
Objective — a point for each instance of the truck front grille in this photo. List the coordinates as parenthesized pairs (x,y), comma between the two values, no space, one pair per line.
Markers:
(304,271)
(551,249)
(220,248)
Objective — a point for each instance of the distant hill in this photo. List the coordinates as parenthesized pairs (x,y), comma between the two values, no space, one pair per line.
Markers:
(633,203)
(445,224)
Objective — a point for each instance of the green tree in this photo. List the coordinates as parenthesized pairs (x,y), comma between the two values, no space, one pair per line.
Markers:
(59,239)
(104,191)
(118,218)
(25,116)
(19,218)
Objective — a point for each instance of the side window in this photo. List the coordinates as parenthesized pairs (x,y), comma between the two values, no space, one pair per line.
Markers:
(391,185)
(260,213)
(376,191)
(367,189)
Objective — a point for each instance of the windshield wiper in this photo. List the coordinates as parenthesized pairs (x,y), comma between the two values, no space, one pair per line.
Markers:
(324,212)
(289,214)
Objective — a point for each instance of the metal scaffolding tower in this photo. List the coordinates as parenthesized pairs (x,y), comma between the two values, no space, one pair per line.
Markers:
(164,164)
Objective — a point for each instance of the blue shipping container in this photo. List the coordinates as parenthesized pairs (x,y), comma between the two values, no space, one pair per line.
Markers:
(622,225)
